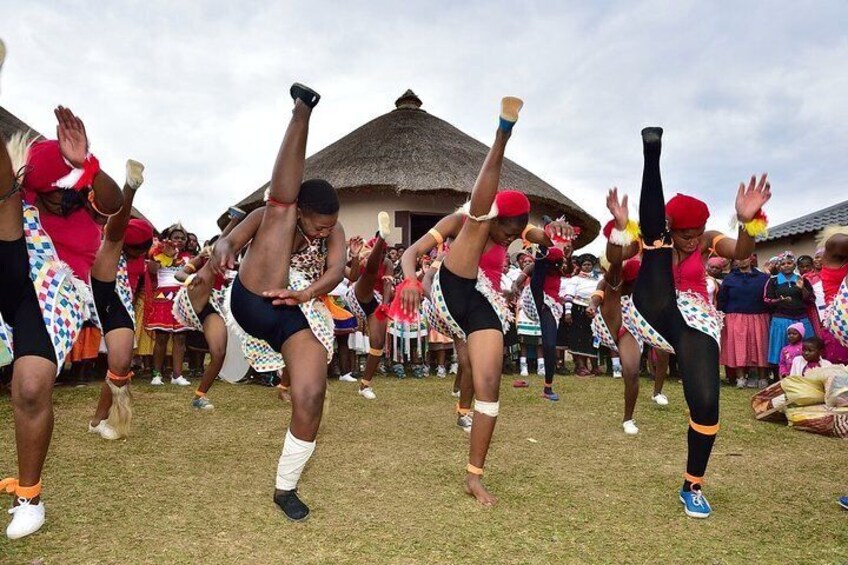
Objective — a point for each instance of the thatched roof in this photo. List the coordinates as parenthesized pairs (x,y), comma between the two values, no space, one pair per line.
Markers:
(11,124)
(408,150)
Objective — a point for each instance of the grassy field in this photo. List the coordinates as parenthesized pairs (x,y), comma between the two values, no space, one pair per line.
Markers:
(385,483)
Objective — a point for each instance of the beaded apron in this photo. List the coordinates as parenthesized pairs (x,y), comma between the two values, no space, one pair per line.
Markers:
(697,313)
(484,287)
(62,297)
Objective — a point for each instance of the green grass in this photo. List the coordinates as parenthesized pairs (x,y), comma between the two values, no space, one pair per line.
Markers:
(385,482)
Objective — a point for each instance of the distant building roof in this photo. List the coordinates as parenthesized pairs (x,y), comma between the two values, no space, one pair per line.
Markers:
(813,222)
(11,124)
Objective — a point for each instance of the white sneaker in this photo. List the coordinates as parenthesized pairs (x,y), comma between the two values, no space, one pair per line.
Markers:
(441,372)
(348,378)
(455,393)
(540,370)
(465,422)
(156,381)
(741,382)
(660,399)
(27,518)
(454,369)
(367,393)
(524,372)
(384,224)
(180,381)
(616,373)
(763,383)
(630,428)
(105,430)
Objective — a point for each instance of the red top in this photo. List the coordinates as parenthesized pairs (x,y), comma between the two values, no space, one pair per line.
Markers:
(553,283)
(831,279)
(76,238)
(135,270)
(691,276)
(492,263)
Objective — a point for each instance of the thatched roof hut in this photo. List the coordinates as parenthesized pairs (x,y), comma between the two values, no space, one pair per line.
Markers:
(11,124)
(421,168)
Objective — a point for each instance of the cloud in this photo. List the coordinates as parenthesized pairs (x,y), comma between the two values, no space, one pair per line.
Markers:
(198,90)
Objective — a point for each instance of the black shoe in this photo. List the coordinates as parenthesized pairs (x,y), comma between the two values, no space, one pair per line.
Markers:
(294,508)
(304,94)
(652,135)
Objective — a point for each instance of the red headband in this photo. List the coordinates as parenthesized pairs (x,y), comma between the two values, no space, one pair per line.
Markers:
(685,212)
(555,255)
(47,170)
(138,232)
(512,203)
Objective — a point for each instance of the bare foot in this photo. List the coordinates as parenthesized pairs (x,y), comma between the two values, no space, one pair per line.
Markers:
(284,394)
(474,487)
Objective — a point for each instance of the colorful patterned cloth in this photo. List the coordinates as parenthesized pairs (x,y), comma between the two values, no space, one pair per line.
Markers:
(696,311)
(185,314)
(836,315)
(528,305)
(353,306)
(602,334)
(257,352)
(484,287)
(62,297)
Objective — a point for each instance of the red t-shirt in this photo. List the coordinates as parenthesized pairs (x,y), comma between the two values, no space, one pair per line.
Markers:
(76,238)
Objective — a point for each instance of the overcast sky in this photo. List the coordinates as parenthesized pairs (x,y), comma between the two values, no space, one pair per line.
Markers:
(198,91)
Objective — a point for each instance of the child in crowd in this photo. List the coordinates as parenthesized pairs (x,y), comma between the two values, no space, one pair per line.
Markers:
(810,358)
(795,334)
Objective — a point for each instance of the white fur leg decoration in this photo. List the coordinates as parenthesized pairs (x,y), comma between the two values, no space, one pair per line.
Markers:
(120,413)
(135,176)
(295,456)
(490,409)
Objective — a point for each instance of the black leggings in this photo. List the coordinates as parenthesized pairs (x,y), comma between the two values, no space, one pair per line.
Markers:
(546,319)
(655,297)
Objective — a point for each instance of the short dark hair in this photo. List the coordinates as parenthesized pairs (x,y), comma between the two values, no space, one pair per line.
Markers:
(318,196)
(815,341)
(805,258)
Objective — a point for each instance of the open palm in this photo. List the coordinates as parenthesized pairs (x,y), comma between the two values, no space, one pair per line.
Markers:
(750,199)
(618,208)
(70,131)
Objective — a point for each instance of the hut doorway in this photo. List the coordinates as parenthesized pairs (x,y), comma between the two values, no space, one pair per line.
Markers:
(419,224)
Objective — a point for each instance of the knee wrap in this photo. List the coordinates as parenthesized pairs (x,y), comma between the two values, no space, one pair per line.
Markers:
(487,408)
(375,352)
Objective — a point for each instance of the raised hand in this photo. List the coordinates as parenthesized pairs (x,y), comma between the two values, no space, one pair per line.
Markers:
(135,174)
(618,208)
(355,245)
(410,298)
(70,131)
(560,231)
(223,258)
(751,199)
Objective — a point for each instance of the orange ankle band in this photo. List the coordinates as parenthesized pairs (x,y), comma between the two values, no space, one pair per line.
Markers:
(116,378)
(375,352)
(693,479)
(12,486)
(198,393)
(462,411)
(366,383)
(705,430)
(282,386)
(474,470)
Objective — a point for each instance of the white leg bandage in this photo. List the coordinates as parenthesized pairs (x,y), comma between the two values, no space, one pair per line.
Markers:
(487,408)
(296,454)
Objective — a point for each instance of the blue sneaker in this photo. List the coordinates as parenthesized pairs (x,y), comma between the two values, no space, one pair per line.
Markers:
(843,502)
(202,403)
(552,396)
(695,503)
(399,371)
